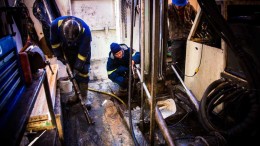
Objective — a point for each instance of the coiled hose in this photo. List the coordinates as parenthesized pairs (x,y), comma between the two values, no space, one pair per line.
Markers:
(226,93)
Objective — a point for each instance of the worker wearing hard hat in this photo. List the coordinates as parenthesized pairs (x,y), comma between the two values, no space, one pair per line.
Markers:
(72,36)
(181,15)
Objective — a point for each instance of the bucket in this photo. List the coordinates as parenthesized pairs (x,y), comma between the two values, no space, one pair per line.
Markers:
(65,85)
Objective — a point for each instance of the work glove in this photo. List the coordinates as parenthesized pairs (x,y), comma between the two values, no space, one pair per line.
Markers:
(167,107)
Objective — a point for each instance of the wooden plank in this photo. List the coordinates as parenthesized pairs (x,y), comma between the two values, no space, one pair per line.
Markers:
(39,126)
(41,107)
(38,118)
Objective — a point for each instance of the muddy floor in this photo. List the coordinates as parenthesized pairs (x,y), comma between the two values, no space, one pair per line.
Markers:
(109,128)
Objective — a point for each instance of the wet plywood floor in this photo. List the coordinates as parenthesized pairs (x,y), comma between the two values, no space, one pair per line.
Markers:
(109,128)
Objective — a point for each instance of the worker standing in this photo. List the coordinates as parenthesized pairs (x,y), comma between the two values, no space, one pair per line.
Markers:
(118,65)
(181,15)
(72,36)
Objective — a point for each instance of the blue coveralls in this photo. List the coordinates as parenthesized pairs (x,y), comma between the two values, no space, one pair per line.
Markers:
(117,69)
(78,53)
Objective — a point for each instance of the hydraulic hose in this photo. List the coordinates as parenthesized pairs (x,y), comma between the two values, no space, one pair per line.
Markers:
(202,117)
(237,93)
(221,94)
(110,94)
(227,95)
(216,86)
(218,91)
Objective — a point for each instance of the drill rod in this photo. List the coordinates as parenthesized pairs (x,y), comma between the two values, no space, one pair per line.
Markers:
(77,90)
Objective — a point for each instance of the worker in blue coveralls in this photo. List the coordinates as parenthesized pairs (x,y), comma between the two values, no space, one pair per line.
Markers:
(118,65)
(72,36)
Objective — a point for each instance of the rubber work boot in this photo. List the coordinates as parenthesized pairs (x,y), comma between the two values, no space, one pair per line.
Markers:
(84,92)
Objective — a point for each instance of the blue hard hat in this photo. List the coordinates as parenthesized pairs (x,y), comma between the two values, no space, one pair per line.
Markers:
(180,2)
(115,47)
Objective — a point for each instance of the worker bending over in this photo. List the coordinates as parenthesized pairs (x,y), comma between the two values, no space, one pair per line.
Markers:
(72,36)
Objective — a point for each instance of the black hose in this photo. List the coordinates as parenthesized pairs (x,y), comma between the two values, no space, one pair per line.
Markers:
(212,86)
(221,94)
(209,102)
(229,96)
(218,91)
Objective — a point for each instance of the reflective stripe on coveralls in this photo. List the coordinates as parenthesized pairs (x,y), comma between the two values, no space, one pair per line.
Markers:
(83,75)
(80,57)
(110,72)
(55,46)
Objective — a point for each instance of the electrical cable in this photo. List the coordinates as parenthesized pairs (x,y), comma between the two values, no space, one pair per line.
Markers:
(197,69)
(110,94)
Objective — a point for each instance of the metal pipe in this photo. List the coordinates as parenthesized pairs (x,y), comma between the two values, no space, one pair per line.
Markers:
(161,53)
(191,96)
(77,89)
(141,48)
(48,11)
(165,35)
(147,39)
(130,74)
(158,116)
(154,66)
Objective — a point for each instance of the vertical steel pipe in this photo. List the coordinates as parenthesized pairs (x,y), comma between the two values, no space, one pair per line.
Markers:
(130,74)
(155,59)
(141,48)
